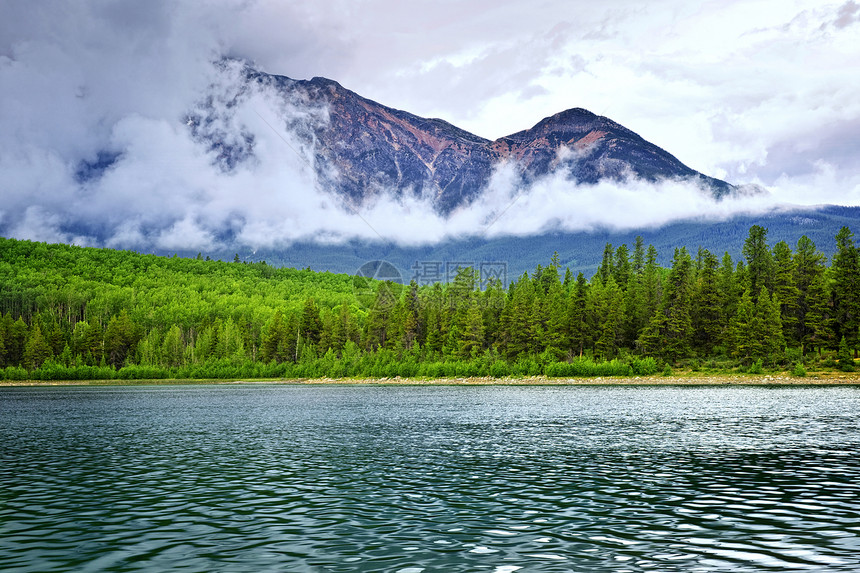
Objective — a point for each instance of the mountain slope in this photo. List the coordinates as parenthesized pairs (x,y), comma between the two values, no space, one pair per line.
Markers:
(363,148)
(580,251)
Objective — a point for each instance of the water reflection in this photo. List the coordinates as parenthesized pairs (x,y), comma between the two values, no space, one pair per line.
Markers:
(261,478)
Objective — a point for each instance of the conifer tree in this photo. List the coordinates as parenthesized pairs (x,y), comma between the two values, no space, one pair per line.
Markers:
(376,328)
(744,342)
(492,305)
(36,349)
(577,329)
(809,269)
(555,337)
(650,341)
(412,327)
(606,268)
(606,310)
(472,340)
(728,288)
(638,261)
(652,287)
(520,329)
(272,338)
(846,289)
(771,337)
(785,290)
(708,324)
(817,333)
(621,270)
(676,307)
(120,337)
(311,323)
(16,338)
(759,261)
(843,356)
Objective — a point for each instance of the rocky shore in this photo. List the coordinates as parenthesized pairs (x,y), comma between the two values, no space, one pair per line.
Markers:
(683,379)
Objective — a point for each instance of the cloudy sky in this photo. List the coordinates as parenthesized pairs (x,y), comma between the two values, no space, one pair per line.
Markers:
(749,91)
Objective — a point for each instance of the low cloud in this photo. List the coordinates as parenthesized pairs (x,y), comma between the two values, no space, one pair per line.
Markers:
(96,98)
(169,189)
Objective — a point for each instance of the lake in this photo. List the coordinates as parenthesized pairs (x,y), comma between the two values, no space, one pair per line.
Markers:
(407,479)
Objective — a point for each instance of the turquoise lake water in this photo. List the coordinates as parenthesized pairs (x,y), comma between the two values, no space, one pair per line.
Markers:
(409,479)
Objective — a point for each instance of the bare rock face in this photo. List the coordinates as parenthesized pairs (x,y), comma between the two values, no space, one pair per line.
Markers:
(364,148)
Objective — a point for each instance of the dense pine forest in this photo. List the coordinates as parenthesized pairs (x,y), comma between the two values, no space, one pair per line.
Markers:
(83,313)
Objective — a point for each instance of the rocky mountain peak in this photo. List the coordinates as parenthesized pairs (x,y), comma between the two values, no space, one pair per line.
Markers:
(365,148)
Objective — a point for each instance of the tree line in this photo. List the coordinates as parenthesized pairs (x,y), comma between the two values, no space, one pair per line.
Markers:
(72,312)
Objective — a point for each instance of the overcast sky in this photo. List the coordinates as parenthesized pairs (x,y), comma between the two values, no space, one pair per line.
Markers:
(749,91)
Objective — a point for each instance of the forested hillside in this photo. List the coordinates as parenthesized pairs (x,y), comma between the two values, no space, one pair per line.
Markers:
(71,312)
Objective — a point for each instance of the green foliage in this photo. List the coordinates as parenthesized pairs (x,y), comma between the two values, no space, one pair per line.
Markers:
(36,351)
(756,368)
(799,370)
(844,359)
(72,313)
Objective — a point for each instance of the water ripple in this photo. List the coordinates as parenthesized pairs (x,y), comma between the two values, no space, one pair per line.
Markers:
(273,478)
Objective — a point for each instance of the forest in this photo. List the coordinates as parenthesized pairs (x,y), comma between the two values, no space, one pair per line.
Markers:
(72,313)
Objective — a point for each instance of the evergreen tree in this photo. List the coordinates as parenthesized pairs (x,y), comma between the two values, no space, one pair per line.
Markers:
(843,356)
(635,313)
(708,317)
(120,337)
(555,335)
(745,327)
(577,329)
(676,307)
(606,268)
(492,305)
(650,341)
(772,341)
(272,338)
(811,308)
(521,323)
(376,328)
(785,291)
(652,287)
(568,280)
(16,338)
(846,289)
(817,333)
(759,261)
(434,330)
(36,349)
(412,327)
(729,291)
(606,307)
(310,325)
(472,340)
(621,270)
(638,262)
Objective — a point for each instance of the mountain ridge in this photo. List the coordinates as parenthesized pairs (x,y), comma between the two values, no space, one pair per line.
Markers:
(364,148)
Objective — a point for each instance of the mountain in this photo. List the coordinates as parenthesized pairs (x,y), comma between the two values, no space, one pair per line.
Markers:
(579,251)
(362,148)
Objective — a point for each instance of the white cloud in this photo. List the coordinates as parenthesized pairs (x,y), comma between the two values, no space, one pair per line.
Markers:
(762,92)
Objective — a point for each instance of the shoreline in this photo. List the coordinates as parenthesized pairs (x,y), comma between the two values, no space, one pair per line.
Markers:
(684,379)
